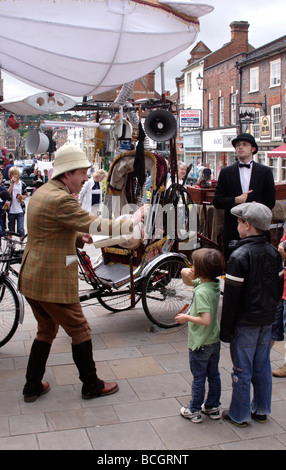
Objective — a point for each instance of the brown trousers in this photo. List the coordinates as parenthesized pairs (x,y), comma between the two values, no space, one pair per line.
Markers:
(51,315)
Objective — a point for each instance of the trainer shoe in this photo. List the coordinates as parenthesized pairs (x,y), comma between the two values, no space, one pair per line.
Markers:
(280,372)
(195,417)
(213,413)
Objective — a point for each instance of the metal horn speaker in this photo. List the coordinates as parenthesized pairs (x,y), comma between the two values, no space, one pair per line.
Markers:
(160,125)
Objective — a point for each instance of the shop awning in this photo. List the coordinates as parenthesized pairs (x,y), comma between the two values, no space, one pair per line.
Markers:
(278,152)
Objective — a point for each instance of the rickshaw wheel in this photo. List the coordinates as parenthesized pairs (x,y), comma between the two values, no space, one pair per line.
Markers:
(118,302)
(164,294)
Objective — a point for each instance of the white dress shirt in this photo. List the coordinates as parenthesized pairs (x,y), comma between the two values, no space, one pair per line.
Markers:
(245,175)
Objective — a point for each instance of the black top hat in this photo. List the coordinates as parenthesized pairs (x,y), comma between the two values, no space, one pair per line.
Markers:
(246,138)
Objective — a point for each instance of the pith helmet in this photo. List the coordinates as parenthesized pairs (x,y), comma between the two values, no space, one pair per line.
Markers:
(68,158)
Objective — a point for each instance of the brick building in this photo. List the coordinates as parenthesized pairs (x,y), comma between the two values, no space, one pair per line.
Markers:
(262,90)
(221,97)
(211,84)
(241,89)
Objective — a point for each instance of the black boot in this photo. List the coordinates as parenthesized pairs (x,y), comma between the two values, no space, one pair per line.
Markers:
(35,371)
(83,358)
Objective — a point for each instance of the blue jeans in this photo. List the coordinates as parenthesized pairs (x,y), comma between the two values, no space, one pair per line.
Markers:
(204,365)
(250,354)
(19,218)
(279,326)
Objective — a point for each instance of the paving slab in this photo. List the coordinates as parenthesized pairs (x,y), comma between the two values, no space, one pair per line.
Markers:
(152,369)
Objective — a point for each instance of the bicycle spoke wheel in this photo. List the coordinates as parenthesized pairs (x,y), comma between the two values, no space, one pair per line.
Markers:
(118,301)
(164,294)
(9,310)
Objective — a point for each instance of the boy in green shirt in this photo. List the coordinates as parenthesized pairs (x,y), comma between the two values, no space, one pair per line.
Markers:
(203,337)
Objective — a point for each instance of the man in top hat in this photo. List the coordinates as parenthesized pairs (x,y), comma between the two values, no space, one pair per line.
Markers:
(244,181)
(49,272)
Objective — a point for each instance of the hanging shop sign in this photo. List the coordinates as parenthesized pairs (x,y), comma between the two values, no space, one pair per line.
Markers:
(246,114)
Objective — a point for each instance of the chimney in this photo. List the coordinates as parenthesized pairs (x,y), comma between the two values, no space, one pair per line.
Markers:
(239,33)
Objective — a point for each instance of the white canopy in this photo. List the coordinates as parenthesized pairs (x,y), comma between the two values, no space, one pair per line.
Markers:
(42,103)
(83,47)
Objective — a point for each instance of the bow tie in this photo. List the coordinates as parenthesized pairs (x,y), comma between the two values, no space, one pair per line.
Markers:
(244,165)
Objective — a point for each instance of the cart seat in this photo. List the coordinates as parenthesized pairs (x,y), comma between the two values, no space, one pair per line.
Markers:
(112,272)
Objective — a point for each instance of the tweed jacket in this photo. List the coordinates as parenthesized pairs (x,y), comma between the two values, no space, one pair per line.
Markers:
(229,186)
(56,223)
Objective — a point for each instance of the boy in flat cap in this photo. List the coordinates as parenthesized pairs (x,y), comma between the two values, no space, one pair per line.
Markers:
(253,288)
(244,181)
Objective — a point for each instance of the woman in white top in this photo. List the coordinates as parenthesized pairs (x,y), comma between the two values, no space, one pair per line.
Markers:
(90,196)
(18,192)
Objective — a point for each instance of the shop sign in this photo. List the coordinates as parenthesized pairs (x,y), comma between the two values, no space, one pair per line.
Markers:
(265,127)
(246,114)
(190,117)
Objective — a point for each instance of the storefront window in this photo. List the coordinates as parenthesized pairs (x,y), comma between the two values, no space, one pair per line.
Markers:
(261,159)
(283,169)
(273,164)
(232,158)
(193,157)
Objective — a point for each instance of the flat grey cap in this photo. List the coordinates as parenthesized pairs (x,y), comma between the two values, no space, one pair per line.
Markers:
(255,213)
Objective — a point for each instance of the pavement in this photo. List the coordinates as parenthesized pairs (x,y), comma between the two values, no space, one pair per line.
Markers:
(152,370)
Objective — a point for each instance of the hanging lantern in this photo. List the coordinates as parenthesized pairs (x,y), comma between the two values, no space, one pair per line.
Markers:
(12,122)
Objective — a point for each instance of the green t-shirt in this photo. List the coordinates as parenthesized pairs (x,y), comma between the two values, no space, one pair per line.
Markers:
(206,299)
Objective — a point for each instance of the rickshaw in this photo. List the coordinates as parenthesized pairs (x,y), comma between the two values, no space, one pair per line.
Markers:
(148,269)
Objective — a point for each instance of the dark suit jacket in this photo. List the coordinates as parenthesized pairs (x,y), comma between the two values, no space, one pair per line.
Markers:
(228,187)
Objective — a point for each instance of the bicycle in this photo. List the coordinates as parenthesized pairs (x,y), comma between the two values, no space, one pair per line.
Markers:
(11,301)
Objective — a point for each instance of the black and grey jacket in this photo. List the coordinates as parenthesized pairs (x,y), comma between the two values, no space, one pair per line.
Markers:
(253,285)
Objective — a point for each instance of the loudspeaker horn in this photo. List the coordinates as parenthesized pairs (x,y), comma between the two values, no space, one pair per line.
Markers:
(36,142)
(160,125)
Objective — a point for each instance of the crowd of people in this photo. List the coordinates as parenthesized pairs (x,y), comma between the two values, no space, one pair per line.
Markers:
(253,306)
(13,192)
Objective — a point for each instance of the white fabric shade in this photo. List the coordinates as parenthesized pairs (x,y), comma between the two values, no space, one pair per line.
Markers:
(83,47)
(42,103)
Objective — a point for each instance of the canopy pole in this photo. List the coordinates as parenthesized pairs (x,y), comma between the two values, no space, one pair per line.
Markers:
(163,92)
(1,88)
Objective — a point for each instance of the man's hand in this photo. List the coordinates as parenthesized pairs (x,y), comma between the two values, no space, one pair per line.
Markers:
(242,198)
(138,216)
(87,238)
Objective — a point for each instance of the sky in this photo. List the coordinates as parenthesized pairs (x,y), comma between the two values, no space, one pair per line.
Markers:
(267,23)
(265,17)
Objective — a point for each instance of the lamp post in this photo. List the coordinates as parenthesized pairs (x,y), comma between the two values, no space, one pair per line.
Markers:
(200,80)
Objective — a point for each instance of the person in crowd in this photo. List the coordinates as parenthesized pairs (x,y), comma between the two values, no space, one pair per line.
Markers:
(3,211)
(205,181)
(182,173)
(7,168)
(46,175)
(4,205)
(48,276)
(244,181)
(253,287)
(38,179)
(90,196)
(18,192)
(279,326)
(203,335)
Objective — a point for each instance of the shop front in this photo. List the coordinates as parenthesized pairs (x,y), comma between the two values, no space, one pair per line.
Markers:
(192,142)
(217,148)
